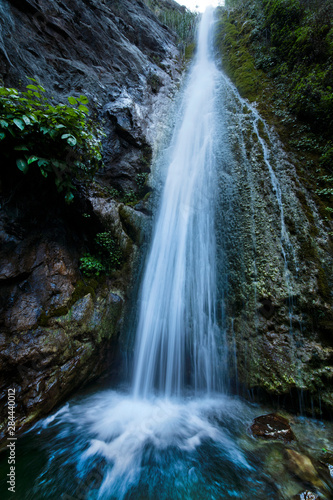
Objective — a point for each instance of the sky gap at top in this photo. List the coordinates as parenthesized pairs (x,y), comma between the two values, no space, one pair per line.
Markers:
(200,5)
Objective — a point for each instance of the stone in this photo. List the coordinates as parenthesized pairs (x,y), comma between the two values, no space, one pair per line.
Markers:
(306,495)
(272,426)
(134,223)
(301,465)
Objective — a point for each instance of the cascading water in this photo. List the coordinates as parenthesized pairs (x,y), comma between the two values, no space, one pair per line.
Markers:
(173,434)
(177,312)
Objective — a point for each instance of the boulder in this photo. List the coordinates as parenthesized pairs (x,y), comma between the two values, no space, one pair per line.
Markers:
(272,426)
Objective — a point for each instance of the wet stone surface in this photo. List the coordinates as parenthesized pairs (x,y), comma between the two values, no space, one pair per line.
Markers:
(272,426)
(306,495)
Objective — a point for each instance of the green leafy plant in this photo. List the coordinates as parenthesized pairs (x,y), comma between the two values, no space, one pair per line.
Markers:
(58,140)
(109,250)
(106,258)
(141,180)
(91,265)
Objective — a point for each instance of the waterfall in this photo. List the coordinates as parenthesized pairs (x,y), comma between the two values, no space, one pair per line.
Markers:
(177,320)
(174,432)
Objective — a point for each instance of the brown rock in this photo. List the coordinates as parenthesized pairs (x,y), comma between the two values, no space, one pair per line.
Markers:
(272,426)
(302,466)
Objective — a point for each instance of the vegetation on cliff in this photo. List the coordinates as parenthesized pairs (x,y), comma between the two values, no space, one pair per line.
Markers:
(181,20)
(56,140)
(280,53)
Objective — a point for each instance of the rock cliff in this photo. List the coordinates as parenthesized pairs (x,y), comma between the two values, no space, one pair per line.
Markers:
(280,230)
(58,327)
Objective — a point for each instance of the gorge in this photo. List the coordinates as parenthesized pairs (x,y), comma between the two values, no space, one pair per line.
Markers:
(228,292)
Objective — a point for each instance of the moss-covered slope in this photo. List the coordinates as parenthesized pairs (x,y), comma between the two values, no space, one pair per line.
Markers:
(278,53)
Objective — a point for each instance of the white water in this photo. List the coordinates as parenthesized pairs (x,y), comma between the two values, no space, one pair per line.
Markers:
(148,443)
(177,323)
(172,435)
(255,120)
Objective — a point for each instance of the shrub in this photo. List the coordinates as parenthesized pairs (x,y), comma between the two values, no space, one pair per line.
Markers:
(58,140)
(91,265)
(106,257)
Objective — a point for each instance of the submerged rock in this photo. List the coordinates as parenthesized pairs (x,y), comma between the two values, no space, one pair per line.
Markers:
(272,426)
(306,495)
(301,465)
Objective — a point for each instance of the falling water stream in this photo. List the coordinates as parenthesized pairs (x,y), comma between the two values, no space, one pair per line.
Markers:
(177,308)
(175,432)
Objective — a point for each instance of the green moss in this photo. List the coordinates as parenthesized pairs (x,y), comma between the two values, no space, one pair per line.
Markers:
(189,50)
(43,319)
(81,289)
(233,39)
(323,285)
(309,214)
(279,52)
(147,196)
(60,311)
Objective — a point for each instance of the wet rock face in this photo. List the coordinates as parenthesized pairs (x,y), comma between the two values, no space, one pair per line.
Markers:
(46,363)
(34,273)
(275,258)
(113,52)
(288,454)
(272,426)
(58,330)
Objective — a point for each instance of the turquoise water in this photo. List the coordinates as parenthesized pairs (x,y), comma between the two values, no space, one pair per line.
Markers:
(107,445)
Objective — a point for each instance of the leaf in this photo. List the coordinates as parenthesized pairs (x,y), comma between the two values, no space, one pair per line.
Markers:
(71,141)
(44,174)
(69,197)
(21,147)
(22,165)
(65,136)
(3,123)
(42,162)
(84,109)
(33,87)
(31,159)
(83,99)
(19,123)
(37,87)
(60,125)
(72,100)
(53,133)
(26,120)
(2,135)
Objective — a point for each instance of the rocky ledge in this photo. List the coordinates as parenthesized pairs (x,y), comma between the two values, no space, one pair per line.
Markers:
(58,327)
